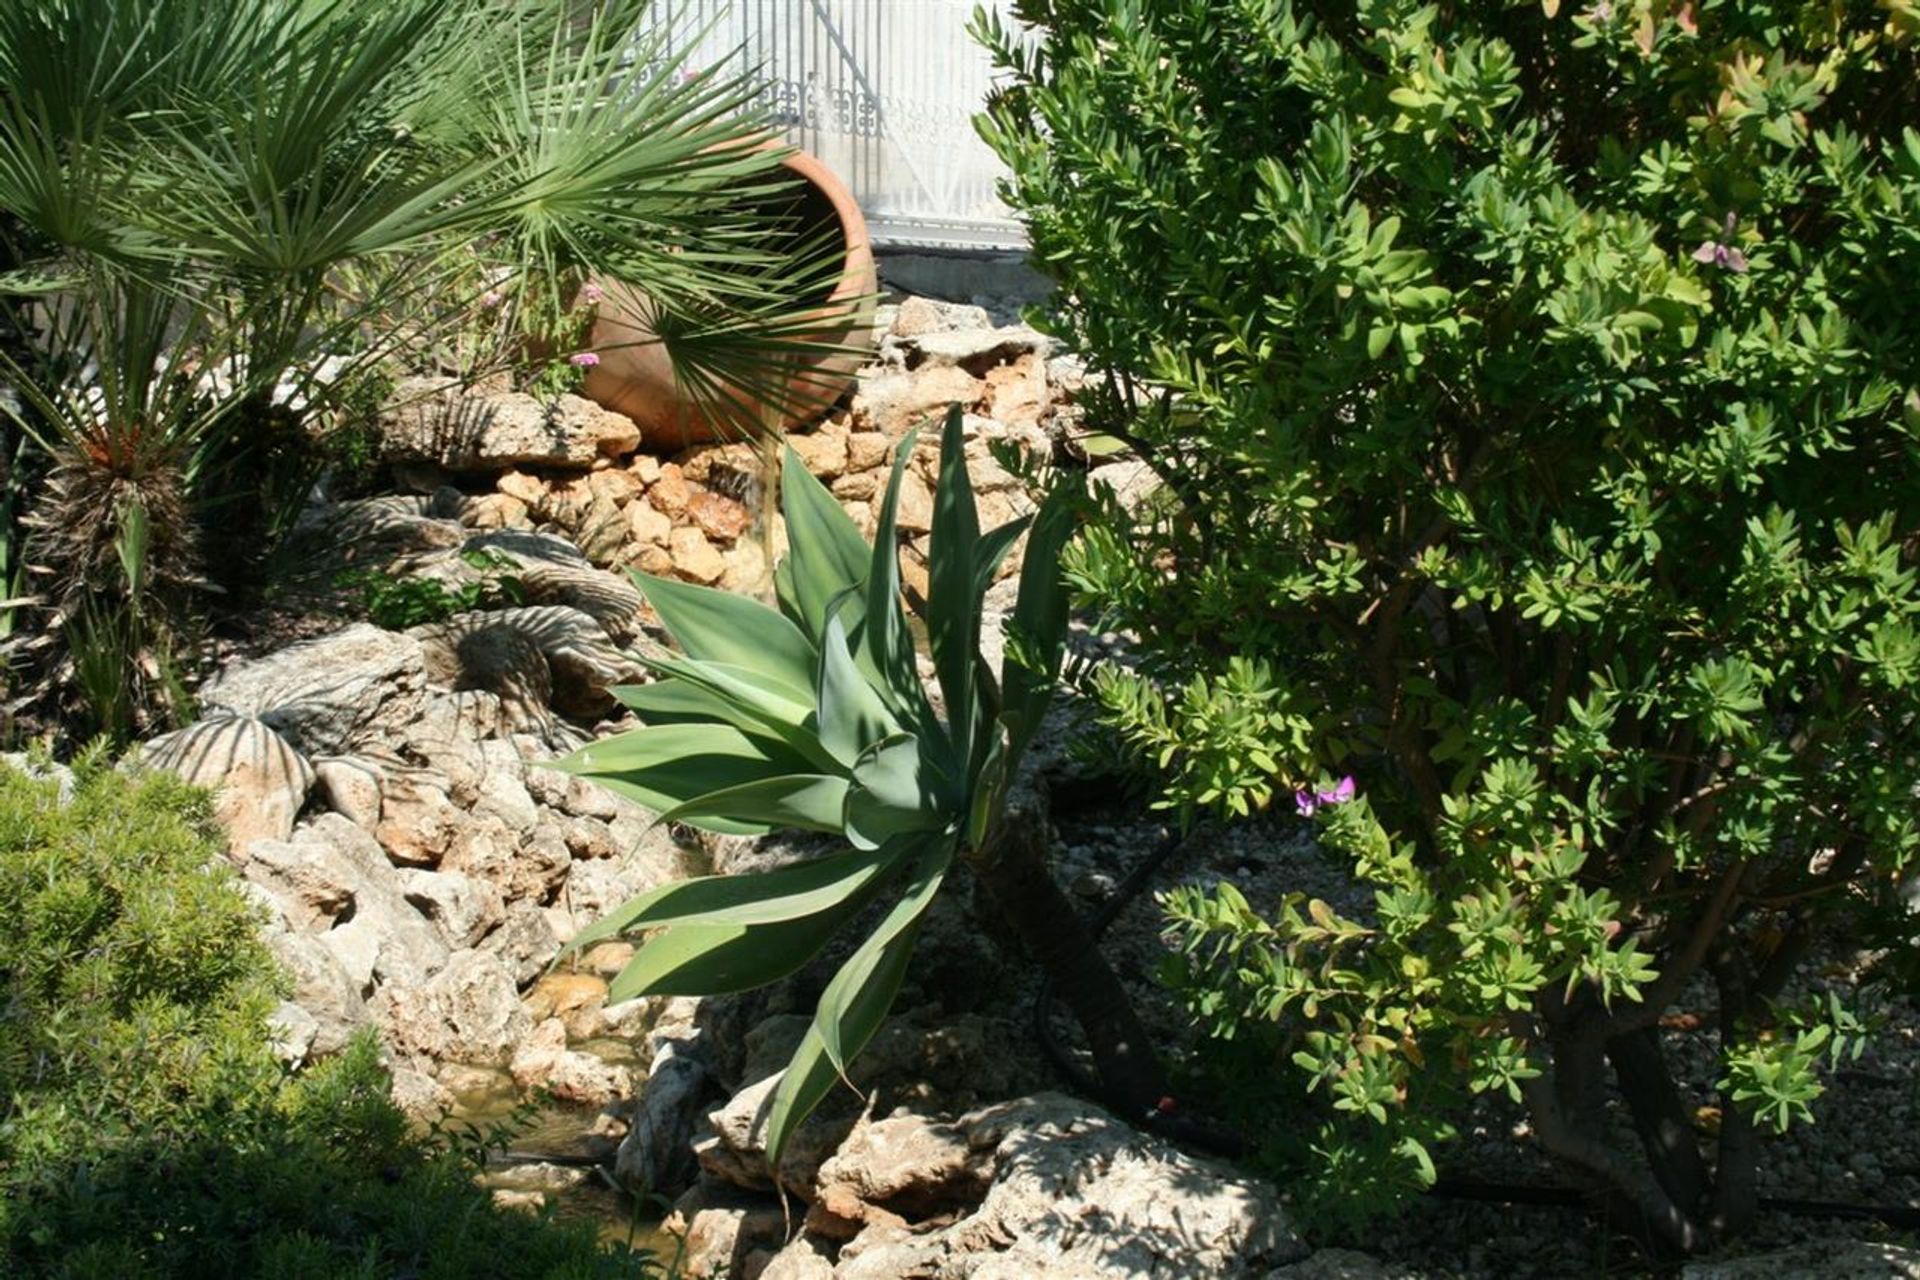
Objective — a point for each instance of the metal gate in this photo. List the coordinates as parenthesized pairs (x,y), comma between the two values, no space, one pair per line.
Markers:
(883,91)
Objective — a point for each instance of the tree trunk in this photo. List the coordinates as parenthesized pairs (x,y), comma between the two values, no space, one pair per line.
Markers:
(1660,1116)
(1012,867)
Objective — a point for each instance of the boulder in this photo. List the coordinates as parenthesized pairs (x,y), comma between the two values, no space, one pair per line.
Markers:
(463,908)
(259,781)
(329,695)
(468,1012)
(1070,1191)
(333,881)
(543,1061)
(483,429)
(351,787)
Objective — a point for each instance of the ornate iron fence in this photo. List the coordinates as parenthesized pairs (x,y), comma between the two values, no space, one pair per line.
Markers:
(883,91)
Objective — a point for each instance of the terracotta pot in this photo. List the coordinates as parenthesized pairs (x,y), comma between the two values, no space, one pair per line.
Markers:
(634,376)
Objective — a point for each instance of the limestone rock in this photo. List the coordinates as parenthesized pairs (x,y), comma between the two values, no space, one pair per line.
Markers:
(575,999)
(328,695)
(552,571)
(1071,1191)
(468,1012)
(525,943)
(724,1230)
(351,787)
(463,908)
(657,1150)
(259,781)
(694,558)
(321,989)
(974,350)
(475,429)
(542,1060)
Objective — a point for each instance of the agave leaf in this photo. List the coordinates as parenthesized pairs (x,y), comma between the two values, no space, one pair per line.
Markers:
(812,801)
(711,960)
(884,631)
(855,1017)
(885,952)
(895,793)
(989,785)
(1040,618)
(664,766)
(719,626)
(768,705)
(765,897)
(825,552)
(953,600)
(851,715)
(993,548)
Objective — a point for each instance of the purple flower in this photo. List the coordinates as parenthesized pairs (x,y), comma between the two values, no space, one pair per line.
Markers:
(1720,253)
(1311,802)
(584,359)
(591,294)
(1601,12)
(492,298)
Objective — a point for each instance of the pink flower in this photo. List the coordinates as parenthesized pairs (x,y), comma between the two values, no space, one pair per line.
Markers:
(492,298)
(1721,253)
(1311,802)
(591,294)
(584,359)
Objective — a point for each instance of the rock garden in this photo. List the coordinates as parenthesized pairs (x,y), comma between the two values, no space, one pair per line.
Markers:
(557,725)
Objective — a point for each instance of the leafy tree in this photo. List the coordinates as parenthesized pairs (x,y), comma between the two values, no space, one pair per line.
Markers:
(1536,396)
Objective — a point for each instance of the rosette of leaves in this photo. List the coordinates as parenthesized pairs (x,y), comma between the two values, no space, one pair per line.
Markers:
(813,716)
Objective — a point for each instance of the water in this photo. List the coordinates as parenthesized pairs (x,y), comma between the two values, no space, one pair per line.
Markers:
(579,1182)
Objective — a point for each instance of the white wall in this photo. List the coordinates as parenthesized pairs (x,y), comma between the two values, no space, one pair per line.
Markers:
(883,91)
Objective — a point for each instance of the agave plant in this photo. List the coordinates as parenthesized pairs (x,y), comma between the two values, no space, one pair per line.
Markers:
(813,716)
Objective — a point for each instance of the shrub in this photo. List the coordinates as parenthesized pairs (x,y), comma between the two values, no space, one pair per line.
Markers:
(146,1129)
(1536,394)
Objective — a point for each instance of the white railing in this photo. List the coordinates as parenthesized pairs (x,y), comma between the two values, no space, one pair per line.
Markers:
(882,91)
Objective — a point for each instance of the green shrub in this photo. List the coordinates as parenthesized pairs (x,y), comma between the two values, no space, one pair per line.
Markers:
(146,1129)
(399,603)
(1537,398)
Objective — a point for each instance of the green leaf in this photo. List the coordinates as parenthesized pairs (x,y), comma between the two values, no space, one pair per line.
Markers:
(825,552)
(764,897)
(1040,620)
(953,614)
(883,633)
(854,1015)
(813,801)
(711,960)
(872,974)
(894,793)
(719,626)
(993,548)
(664,766)
(769,707)
(852,717)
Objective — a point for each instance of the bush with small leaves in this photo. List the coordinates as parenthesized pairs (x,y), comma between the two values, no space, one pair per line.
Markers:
(146,1129)
(1536,397)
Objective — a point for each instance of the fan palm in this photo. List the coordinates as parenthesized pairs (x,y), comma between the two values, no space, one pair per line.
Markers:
(209,206)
